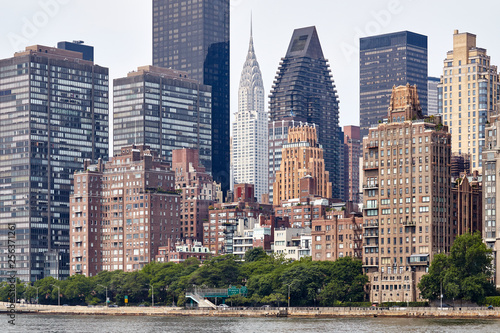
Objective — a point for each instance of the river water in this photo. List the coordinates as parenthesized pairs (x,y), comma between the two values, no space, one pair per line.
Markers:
(124,324)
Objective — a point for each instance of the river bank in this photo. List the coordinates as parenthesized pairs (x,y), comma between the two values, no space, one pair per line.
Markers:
(293,312)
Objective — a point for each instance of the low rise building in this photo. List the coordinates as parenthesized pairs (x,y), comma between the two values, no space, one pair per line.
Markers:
(224,218)
(339,234)
(292,243)
(182,250)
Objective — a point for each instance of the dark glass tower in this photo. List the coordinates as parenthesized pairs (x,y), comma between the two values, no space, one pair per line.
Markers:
(194,37)
(384,61)
(304,90)
(54,115)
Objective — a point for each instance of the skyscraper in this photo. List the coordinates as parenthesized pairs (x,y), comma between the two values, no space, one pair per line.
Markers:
(249,145)
(432,95)
(194,37)
(407,195)
(384,61)
(54,115)
(303,90)
(352,153)
(302,157)
(164,109)
(469,93)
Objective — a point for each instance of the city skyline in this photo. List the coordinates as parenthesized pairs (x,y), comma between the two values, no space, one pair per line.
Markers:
(112,37)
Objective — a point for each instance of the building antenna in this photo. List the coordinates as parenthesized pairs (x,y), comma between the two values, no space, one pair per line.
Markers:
(251,21)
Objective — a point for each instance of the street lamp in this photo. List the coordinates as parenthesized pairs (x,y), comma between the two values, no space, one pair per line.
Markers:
(36,292)
(152,295)
(106,292)
(58,294)
(289,294)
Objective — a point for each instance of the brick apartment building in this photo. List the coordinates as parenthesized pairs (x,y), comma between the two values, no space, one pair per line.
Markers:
(339,234)
(407,198)
(181,250)
(122,211)
(224,218)
(197,189)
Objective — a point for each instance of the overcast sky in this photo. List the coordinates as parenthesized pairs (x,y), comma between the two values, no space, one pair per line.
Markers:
(121,32)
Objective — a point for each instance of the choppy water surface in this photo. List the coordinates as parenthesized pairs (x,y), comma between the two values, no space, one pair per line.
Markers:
(124,324)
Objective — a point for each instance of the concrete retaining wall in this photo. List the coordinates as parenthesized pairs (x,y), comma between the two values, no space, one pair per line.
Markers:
(261,312)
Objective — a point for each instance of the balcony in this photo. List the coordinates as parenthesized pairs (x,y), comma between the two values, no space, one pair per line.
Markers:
(372,144)
(372,233)
(371,264)
(409,223)
(371,206)
(370,165)
(371,185)
(373,224)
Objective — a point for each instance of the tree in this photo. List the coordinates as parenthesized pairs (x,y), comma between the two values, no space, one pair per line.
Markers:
(255,254)
(464,274)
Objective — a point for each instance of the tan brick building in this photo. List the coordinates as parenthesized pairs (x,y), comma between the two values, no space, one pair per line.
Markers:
(337,235)
(407,198)
(468,94)
(197,189)
(302,156)
(122,211)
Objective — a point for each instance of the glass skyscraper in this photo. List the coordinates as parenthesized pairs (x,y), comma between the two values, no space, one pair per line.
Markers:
(54,115)
(193,36)
(163,109)
(384,61)
(304,90)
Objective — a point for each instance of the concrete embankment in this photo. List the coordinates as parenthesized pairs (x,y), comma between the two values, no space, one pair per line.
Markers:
(294,312)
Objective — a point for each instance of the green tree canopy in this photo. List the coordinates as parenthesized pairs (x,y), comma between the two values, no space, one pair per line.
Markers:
(463,274)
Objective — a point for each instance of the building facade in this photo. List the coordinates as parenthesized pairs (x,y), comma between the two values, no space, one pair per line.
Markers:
(197,189)
(490,170)
(469,93)
(220,229)
(302,157)
(164,109)
(352,153)
(293,243)
(122,211)
(467,203)
(54,115)
(432,95)
(304,91)
(182,250)
(249,153)
(339,234)
(193,36)
(384,61)
(407,196)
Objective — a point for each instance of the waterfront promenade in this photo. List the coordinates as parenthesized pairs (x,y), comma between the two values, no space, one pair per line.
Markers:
(293,312)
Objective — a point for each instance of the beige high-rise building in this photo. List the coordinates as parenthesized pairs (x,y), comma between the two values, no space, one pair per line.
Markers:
(407,196)
(491,189)
(468,94)
(301,156)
